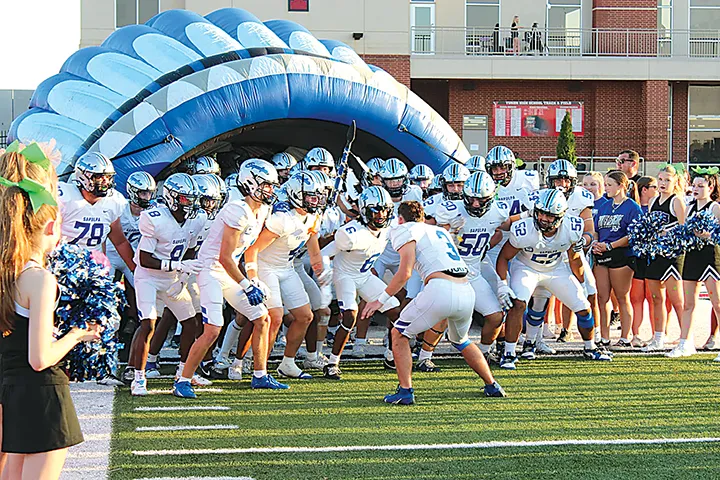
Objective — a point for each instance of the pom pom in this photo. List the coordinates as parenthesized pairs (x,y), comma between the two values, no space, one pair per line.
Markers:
(643,233)
(703,221)
(87,295)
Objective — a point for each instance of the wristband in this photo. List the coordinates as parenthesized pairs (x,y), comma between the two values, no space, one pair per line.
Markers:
(245,283)
(251,266)
(166,265)
(503,282)
(384,297)
(609,246)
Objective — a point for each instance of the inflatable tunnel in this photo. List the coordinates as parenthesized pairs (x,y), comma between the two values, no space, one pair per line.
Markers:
(182,85)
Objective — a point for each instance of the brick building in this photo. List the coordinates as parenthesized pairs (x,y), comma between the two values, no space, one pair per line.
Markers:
(644,74)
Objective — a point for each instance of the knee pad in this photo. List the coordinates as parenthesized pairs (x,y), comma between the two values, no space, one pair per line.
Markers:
(585,321)
(462,346)
(323,320)
(533,317)
(541,306)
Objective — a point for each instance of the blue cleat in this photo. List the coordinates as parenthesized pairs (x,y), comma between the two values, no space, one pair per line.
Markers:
(183,390)
(494,390)
(596,354)
(402,396)
(267,382)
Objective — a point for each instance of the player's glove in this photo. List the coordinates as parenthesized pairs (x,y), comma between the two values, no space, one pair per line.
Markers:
(457,222)
(191,267)
(254,293)
(579,246)
(506,296)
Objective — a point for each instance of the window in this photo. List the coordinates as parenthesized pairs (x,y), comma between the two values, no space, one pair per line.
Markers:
(482,17)
(564,23)
(131,12)
(705,28)
(664,26)
(704,131)
(422,21)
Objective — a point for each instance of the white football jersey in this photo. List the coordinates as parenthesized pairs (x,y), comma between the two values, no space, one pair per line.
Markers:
(520,194)
(233,194)
(164,237)
(431,204)
(358,248)
(85,224)
(434,249)
(237,215)
(447,210)
(579,200)
(131,229)
(293,231)
(333,218)
(473,239)
(543,253)
(204,232)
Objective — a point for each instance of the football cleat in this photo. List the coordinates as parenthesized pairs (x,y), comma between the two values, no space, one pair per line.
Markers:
(293,372)
(317,364)
(111,381)
(427,365)
(129,375)
(332,372)
(548,332)
(222,364)
(183,390)
(389,364)
(402,396)
(492,358)
(507,361)
(494,390)
(637,342)
(614,319)
(199,381)
(654,346)
(622,344)
(205,368)
(267,382)
(358,351)
(528,351)
(248,365)
(138,388)
(565,336)
(596,354)
(235,371)
(711,344)
(151,370)
(544,348)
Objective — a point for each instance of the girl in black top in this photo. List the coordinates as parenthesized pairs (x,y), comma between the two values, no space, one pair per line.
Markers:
(39,421)
(701,265)
(515,35)
(664,275)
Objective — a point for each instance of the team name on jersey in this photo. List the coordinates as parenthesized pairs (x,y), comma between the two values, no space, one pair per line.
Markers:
(613,222)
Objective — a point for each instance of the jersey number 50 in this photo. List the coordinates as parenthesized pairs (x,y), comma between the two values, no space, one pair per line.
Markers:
(474,244)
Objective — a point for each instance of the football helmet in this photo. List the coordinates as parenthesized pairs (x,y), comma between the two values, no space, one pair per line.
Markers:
(562,169)
(552,203)
(394,175)
(305,190)
(204,165)
(141,189)
(95,174)
(500,156)
(475,163)
(180,193)
(283,162)
(209,196)
(257,179)
(376,207)
(478,193)
(454,174)
(319,157)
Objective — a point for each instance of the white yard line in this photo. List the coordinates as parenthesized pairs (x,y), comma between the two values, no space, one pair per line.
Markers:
(186,427)
(177,409)
(90,459)
(438,446)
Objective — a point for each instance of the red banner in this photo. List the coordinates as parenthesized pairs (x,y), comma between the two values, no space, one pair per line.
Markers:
(536,119)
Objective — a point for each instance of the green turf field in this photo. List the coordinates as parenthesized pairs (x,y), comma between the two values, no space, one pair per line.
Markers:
(634,397)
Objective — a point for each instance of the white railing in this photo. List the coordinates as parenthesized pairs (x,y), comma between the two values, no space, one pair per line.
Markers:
(564,42)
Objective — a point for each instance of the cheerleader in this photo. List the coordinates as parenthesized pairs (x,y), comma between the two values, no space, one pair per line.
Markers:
(39,419)
(701,265)
(612,255)
(664,274)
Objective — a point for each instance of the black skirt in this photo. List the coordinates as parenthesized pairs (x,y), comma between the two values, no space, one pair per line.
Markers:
(701,265)
(663,268)
(38,418)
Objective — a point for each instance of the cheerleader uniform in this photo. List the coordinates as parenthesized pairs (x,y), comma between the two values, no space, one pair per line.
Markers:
(663,268)
(38,412)
(704,263)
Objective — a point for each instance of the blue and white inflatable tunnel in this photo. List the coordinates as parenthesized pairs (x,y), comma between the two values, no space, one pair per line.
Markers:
(183,85)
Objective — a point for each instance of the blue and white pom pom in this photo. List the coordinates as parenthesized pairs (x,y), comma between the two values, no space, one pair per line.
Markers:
(88,294)
(703,221)
(643,233)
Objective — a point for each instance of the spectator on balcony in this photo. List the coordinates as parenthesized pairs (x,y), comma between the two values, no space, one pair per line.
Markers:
(515,35)
(534,39)
(496,38)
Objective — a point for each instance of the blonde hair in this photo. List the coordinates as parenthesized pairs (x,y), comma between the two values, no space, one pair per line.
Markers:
(19,226)
(680,180)
(599,177)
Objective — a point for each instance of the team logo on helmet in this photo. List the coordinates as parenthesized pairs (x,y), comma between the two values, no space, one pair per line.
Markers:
(376,207)
(553,205)
(455,175)
(478,193)
(498,158)
(141,189)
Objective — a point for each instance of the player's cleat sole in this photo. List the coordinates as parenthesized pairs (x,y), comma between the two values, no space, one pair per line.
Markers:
(129,376)
(267,382)
(402,396)
(494,390)
(389,364)
(183,390)
(427,366)
(332,372)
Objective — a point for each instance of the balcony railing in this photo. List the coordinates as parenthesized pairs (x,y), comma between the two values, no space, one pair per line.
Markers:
(565,42)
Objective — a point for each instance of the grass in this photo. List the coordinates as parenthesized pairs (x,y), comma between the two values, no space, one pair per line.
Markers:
(549,399)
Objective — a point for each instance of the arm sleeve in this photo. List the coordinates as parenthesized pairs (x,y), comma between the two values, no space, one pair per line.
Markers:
(148,242)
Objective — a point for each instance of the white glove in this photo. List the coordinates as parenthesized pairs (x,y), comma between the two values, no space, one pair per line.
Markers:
(457,222)
(325,277)
(579,246)
(191,267)
(261,285)
(506,296)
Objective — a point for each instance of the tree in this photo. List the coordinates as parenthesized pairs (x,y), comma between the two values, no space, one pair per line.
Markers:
(566,141)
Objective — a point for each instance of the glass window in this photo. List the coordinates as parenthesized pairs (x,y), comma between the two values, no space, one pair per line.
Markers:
(705,3)
(482,16)
(125,13)
(704,115)
(564,2)
(147,9)
(705,18)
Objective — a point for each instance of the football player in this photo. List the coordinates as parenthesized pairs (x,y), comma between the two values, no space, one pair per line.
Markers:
(422,176)
(320,159)
(476,163)
(291,226)
(169,237)
(204,165)
(539,243)
(356,246)
(283,162)
(447,295)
